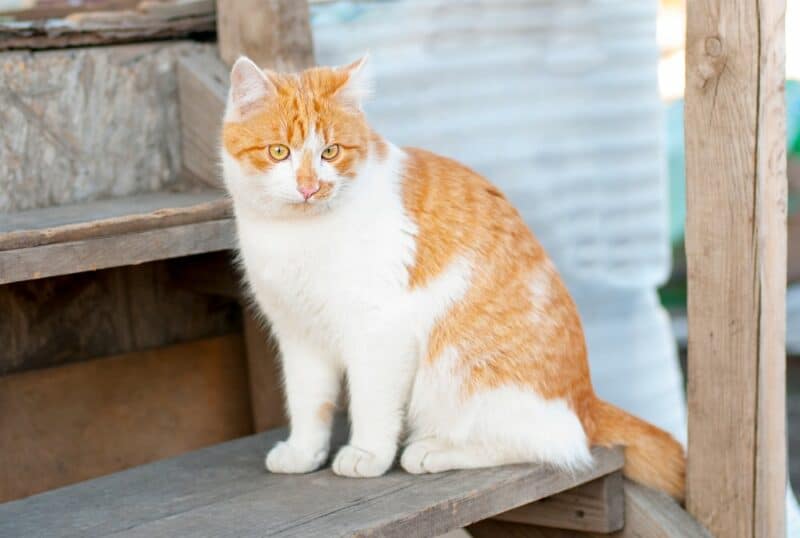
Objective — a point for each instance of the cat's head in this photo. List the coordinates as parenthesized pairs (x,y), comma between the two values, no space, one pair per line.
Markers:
(294,143)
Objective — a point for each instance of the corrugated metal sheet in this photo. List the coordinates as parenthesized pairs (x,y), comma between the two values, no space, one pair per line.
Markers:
(555,101)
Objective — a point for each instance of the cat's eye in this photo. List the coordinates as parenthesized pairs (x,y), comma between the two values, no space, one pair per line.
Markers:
(278,152)
(330,152)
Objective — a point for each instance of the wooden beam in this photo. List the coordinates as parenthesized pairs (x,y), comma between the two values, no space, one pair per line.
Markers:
(736,254)
(266,392)
(113,251)
(148,23)
(597,506)
(115,216)
(273,33)
(648,513)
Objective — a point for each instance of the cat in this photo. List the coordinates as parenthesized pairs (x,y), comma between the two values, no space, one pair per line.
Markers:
(415,279)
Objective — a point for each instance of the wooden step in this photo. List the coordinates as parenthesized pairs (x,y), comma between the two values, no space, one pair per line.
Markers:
(121,231)
(225,491)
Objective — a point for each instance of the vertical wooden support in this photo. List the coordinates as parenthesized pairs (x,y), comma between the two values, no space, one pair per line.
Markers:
(736,258)
(266,396)
(274,34)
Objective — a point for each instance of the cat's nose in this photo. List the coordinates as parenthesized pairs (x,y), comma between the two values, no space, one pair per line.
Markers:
(307,190)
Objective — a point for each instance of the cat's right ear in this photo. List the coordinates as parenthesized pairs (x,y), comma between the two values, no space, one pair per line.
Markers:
(250,87)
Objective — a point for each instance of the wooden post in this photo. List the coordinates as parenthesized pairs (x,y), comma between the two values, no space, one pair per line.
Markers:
(736,259)
(274,34)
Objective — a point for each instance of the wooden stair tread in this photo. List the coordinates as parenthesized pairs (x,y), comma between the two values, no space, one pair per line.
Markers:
(108,233)
(225,491)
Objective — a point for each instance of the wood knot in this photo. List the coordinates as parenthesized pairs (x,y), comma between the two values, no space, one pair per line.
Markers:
(713,46)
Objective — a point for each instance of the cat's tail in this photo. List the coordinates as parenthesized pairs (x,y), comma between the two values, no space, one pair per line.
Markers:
(652,456)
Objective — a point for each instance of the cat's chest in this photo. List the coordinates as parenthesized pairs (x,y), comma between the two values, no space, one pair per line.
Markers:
(328,270)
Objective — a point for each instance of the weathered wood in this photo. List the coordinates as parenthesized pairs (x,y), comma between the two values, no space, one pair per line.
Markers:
(203,89)
(597,506)
(110,27)
(114,251)
(648,514)
(273,33)
(71,318)
(67,424)
(90,123)
(266,388)
(117,216)
(736,253)
(225,491)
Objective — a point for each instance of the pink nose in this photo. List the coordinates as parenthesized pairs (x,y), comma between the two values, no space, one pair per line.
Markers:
(307,191)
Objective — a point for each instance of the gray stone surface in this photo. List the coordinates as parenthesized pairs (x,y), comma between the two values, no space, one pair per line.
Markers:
(89,123)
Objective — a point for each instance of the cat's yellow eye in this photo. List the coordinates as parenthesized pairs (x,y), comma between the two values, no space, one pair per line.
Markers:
(330,152)
(278,152)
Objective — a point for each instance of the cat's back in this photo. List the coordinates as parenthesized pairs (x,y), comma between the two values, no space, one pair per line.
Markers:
(459,213)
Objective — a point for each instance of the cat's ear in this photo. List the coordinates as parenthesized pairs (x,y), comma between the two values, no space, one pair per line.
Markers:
(358,85)
(250,87)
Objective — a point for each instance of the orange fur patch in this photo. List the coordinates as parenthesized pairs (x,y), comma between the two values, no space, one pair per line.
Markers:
(517,323)
(325,412)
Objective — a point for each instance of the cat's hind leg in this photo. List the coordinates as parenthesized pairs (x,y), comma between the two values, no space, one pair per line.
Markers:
(435,456)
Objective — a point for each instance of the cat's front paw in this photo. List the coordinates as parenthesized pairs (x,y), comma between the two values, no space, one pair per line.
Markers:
(287,458)
(358,463)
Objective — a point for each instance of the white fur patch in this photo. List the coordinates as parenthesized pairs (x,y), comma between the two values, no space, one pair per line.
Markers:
(509,424)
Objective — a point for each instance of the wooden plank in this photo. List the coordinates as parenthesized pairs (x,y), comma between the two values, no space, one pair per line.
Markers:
(37,227)
(596,506)
(129,249)
(648,513)
(736,252)
(90,123)
(273,33)
(202,89)
(72,318)
(225,491)
(109,27)
(266,388)
(68,424)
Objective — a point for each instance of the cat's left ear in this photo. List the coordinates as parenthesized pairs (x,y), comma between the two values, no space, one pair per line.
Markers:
(358,85)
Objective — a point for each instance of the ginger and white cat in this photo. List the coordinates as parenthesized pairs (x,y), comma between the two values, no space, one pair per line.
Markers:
(415,279)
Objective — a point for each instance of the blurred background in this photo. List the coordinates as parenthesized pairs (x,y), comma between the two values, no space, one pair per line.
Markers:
(573,107)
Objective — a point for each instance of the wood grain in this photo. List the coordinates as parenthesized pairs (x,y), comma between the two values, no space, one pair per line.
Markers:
(225,491)
(266,387)
(115,216)
(90,123)
(67,424)
(113,251)
(202,89)
(736,254)
(597,506)
(46,323)
(648,514)
(273,33)
(106,28)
